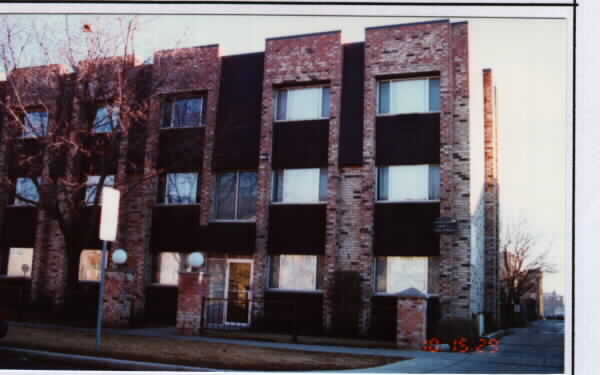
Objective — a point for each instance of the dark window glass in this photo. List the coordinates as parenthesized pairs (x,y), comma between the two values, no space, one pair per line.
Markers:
(281,105)
(182,188)
(323,184)
(382,183)
(325,99)
(381,274)
(187,112)
(278,185)
(107,119)
(165,113)
(274,272)
(225,196)
(247,196)
(434,95)
(36,124)
(384,97)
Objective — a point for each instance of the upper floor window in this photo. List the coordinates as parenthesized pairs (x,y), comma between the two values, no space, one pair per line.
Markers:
(26,192)
(395,274)
(408,96)
(35,124)
(302,103)
(297,272)
(235,196)
(300,185)
(408,183)
(92,186)
(106,120)
(183,112)
(180,188)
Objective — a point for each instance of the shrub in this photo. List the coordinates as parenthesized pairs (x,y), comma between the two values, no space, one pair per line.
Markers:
(452,331)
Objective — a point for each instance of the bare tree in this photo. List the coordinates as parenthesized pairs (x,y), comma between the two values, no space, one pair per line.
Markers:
(72,112)
(521,264)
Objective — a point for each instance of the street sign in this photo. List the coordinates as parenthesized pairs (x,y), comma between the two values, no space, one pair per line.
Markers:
(109,217)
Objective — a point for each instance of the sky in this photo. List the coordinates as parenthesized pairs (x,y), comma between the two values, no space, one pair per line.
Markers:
(531,72)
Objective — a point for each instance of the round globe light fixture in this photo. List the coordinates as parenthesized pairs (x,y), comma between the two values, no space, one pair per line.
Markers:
(119,256)
(195,259)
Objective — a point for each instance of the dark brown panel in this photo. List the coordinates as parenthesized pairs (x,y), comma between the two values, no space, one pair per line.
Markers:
(25,158)
(19,226)
(237,134)
(289,312)
(408,139)
(384,317)
(161,304)
(181,150)
(300,144)
(89,225)
(297,229)
(406,229)
(239,238)
(177,228)
(351,126)
(104,156)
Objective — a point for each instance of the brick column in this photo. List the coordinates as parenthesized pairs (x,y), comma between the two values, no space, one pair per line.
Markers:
(118,300)
(193,286)
(411,331)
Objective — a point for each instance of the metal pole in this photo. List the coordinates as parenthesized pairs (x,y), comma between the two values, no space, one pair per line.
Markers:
(101,296)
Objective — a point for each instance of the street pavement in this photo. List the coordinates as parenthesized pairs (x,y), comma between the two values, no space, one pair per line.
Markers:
(537,349)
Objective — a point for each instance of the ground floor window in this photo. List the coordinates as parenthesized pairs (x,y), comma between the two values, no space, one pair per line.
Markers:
(168,267)
(90,265)
(19,262)
(296,272)
(395,274)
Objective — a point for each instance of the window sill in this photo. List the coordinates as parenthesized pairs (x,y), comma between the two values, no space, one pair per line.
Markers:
(304,119)
(21,205)
(159,285)
(406,113)
(297,203)
(304,291)
(176,204)
(395,294)
(232,221)
(415,201)
(14,277)
(183,127)
(89,281)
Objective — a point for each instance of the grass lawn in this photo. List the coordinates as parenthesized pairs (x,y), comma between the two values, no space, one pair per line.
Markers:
(190,353)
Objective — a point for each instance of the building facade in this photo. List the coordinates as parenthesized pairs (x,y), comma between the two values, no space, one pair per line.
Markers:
(316,177)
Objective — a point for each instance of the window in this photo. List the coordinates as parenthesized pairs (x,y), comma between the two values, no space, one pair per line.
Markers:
(408,96)
(19,262)
(106,120)
(395,274)
(408,183)
(299,272)
(90,262)
(302,104)
(35,124)
(183,112)
(26,191)
(300,185)
(92,187)
(181,188)
(235,196)
(169,266)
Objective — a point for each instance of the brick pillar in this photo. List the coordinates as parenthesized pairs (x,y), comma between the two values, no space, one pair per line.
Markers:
(193,286)
(118,298)
(411,331)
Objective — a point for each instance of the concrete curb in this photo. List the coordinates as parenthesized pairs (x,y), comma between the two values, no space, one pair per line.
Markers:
(115,364)
(496,335)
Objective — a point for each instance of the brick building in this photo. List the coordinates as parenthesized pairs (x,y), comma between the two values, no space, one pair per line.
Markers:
(312,182)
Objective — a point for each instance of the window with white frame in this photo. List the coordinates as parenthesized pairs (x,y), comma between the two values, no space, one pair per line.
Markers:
(300,185)
(35,124)
(90,263)
(180,188)
(106,120)
(235,196)
(295,272)
(395,274)
(26,191)
(183,112)
(408,96)
(20,261)
(169,266)
(302,103)
(408,182)
(93,185)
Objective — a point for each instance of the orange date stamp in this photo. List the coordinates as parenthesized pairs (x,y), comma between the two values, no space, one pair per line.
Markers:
(462,345)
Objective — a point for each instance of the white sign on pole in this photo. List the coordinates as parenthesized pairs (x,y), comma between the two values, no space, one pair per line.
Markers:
(110,214)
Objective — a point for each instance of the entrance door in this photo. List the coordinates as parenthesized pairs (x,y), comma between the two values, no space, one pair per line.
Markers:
(239,274)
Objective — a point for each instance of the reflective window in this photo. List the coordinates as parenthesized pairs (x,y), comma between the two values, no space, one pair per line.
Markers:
(93,185)
(35,124)
(90,265)
(395,274)
(408,182)
(181,188)
(235,196)
(300,272)
(183,112)
(408,96)
(106,120)
(26,192)
(302,103)
(300,185)
(20,261)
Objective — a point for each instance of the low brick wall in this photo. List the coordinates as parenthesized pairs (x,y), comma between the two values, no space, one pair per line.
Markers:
(193,286)
(411,330)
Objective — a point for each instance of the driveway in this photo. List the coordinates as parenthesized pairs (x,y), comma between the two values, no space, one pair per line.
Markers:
(537,349)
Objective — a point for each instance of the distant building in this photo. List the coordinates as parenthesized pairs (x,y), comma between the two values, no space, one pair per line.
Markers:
(553,304)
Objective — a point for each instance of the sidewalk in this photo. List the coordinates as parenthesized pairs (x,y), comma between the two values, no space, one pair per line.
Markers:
(536,349)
